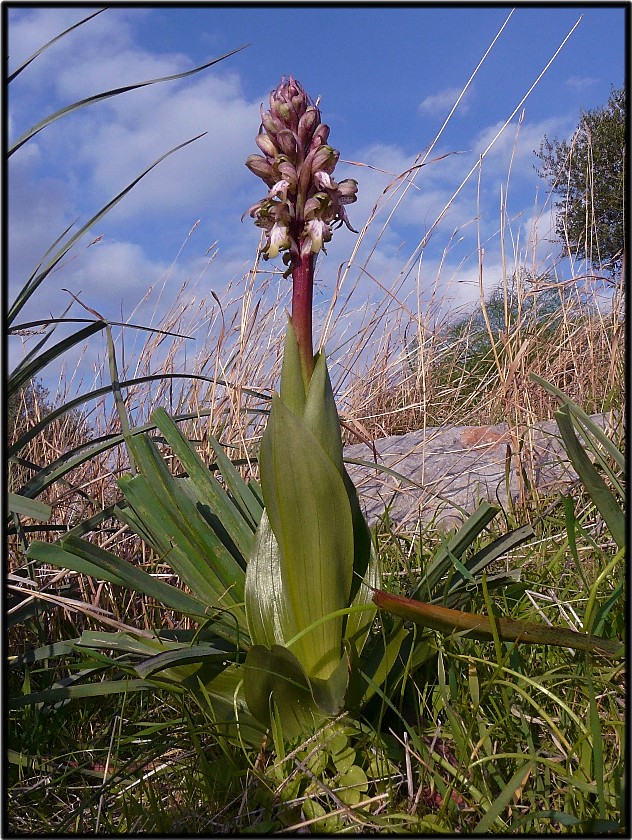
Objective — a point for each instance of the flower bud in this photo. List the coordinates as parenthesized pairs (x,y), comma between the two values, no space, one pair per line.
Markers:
(269,123)
(287,143)
(266,145)
(325,158)
(321,134)
(288,170)
(307,125)
(262,168)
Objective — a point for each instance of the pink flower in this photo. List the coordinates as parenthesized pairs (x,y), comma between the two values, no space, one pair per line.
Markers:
(304,201)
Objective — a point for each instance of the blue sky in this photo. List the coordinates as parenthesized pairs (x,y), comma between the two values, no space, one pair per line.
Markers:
(387,78)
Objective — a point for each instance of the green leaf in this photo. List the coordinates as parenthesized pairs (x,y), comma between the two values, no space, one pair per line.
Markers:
(275,676)
(352,783)
(378,661)
(481,559)
(292,389)
(24,506)
(266,607)
(48,44)
(36,279)
(209,491)
(41,654)
(71,692)
(182,655)
(358,624)
(457,545)
(179,532)
(586,421)
(309,512)
(243,495)
(224,695)
(320,415)
(596,487)
(86,558)
(504,797)
(25,372)
(80,454)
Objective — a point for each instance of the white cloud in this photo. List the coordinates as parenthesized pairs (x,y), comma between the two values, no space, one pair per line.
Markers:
(441,103)
(519,140)
(581,83)
(145,130)
(77,165)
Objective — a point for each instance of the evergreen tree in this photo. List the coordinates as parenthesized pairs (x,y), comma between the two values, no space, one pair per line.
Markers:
(588,175)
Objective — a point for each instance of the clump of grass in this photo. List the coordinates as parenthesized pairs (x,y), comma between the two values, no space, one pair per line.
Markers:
(546,774)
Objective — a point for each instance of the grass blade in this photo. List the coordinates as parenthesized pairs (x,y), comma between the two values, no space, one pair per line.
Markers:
(70,692)
(29,507)
(463,538)
(209,489)
(48,44)
(25,371)
(34,282)
(99,97)
(504,797)
(598,491)
(86,558)
(71,459)
(243,495)
(586,421)
(93,395)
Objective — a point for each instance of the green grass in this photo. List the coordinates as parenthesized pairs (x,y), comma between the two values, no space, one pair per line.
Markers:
(483,738)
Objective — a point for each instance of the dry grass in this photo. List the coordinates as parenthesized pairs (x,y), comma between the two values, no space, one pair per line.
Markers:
(395,367)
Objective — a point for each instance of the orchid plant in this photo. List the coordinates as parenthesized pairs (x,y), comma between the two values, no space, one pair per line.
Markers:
(313,564)
(283,578)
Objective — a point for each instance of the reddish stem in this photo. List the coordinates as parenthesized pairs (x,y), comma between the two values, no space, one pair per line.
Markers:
(302,297)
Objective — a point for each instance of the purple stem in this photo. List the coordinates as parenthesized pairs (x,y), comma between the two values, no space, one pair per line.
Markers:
(302,296)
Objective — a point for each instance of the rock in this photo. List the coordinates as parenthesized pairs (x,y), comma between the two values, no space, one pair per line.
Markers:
(444,473)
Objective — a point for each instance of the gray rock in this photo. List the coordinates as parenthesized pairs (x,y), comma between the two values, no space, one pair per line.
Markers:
(444,473)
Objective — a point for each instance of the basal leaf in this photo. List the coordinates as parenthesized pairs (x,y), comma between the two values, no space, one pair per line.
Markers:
(182,655)
(477,626)
(204,561)
(266,608)
(275,676)
(310,515)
